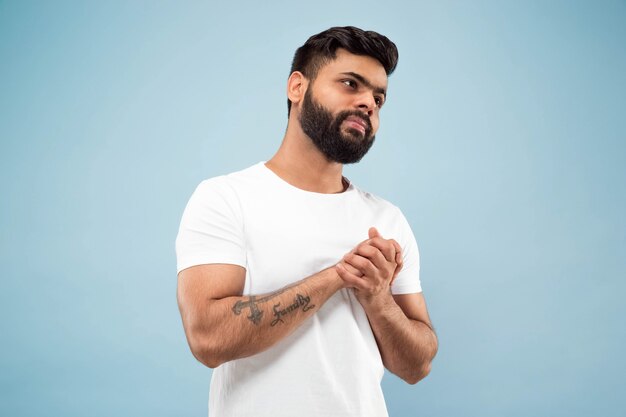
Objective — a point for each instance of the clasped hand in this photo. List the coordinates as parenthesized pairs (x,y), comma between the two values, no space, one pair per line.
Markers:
(371,266)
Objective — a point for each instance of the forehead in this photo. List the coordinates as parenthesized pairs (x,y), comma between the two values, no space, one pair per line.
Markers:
(365,66)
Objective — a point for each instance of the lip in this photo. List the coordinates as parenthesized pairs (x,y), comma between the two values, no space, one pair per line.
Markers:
(357,123)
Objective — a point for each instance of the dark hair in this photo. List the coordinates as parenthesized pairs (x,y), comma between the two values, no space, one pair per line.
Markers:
(319,49)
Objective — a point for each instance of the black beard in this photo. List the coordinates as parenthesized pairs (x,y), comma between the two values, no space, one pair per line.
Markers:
(325,132)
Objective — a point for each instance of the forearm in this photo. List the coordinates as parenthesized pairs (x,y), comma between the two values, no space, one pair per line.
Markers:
(407,346)
(236,327)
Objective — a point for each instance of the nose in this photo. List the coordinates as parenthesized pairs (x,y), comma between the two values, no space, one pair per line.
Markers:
(366,102)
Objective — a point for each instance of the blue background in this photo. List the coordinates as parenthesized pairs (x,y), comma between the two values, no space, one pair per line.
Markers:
(503,141)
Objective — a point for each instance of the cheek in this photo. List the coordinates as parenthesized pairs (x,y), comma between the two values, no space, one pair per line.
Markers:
(375,123)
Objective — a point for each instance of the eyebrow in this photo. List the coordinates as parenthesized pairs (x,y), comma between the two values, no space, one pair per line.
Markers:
(366,83)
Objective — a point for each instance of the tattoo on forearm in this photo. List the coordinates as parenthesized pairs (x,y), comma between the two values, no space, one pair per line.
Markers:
(256,314)
(299,301)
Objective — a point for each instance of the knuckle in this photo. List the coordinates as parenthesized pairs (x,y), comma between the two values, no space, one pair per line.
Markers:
(361,251)
(357,261)
(367,250)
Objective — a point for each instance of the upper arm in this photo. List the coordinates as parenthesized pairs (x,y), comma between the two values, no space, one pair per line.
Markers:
(414,307)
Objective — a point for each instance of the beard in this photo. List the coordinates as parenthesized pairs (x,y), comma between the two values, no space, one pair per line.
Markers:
(325,132)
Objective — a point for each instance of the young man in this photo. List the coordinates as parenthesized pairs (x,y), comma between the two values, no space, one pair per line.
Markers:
(286,284)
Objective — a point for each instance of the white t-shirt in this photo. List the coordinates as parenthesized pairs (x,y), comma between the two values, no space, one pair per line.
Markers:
(330,365)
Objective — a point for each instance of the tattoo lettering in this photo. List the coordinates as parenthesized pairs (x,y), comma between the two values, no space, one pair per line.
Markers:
(255,314)
(299,301)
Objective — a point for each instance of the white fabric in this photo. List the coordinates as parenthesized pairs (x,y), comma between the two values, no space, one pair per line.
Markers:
(330,366)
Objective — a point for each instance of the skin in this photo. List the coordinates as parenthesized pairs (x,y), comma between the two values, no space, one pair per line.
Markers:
(209,296)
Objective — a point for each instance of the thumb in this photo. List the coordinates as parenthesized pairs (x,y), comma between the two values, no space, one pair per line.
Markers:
(373,232)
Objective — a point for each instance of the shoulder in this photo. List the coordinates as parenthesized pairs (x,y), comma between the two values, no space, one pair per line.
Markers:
(220,194)
(376,202)
(231,184)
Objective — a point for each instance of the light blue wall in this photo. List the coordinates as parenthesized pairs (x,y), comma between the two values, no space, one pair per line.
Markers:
(503,141)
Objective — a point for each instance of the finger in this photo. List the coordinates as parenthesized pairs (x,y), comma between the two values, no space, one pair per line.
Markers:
(399,263)
(398,251)
(387,249)
(364,265)
(396,245)
(349,278)
(399,255)
(373,232)
(352,269)
(397,271)
(399,258)
(375,256)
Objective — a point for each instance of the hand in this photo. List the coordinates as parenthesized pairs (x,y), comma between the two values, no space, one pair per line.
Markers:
(371,267)
(373,234)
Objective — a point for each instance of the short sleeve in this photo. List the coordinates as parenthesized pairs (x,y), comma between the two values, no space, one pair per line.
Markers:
(408,280)
(211,228)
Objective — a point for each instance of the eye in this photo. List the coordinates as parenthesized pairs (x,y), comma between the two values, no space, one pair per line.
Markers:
(350,83)
(379,101)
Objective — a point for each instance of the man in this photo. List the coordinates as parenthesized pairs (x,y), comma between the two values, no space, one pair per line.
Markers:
(286,284)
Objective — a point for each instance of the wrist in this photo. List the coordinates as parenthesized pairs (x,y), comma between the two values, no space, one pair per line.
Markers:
(375,302)
(331,279)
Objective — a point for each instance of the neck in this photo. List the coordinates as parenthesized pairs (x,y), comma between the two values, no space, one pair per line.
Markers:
(301,164)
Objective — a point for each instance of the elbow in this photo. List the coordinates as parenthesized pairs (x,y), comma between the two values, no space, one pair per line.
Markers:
(418,374)
(422,368)
(206,358)
(411,374)
(204,351)
(414,370)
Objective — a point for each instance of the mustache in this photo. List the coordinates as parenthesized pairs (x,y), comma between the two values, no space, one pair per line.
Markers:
(355,113)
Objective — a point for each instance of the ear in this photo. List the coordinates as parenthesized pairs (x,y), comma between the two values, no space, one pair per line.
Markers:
(296,87)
